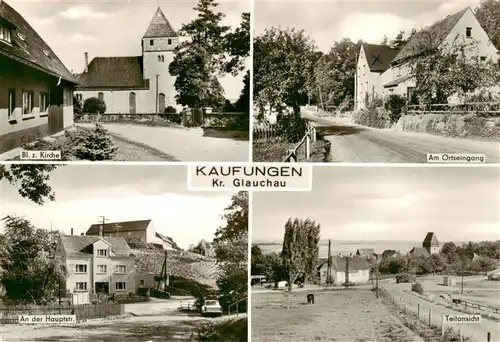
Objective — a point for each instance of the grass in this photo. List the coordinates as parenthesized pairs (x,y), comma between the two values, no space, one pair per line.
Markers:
(349,315)
(226,134)
(277,150)
(235,330)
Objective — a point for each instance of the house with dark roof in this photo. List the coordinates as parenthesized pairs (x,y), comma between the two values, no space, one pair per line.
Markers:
(368,253)
(396,76)
(357,266)
(143,230)
(430,246)
(97,264)
(135,84)
(36,89)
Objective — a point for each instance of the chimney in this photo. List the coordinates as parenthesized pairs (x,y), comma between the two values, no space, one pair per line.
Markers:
(86,61)
(101,227)
(71,231)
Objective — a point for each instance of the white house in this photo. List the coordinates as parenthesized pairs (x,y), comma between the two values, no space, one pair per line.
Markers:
(462,26)
(97,264)
(137,84)
(144,230)
(359,270)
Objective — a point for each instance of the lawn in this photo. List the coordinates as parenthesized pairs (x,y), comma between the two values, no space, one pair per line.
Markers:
(277,150)
(342,315)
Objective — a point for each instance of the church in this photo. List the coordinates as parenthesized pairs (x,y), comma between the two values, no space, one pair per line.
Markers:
(137,84)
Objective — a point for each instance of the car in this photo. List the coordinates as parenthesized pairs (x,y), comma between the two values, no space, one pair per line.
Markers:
(211,308)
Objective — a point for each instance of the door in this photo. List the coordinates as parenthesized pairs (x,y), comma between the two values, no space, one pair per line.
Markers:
(102,288)
(161,103)
(131,103)
(56,119)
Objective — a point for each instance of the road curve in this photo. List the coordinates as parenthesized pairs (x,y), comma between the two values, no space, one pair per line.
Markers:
(359,144)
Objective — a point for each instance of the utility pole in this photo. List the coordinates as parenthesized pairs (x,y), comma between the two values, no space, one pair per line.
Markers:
(103,222)
(165,277)
(347,270)
(157,95)
(376,276)
(329,269)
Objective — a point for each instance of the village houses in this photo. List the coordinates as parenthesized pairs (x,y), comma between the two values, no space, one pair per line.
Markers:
(142,230)
(36,88)
(136,84)
(384,70)
(357,266)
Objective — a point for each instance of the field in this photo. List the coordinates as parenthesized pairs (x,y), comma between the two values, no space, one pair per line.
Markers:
(343,315)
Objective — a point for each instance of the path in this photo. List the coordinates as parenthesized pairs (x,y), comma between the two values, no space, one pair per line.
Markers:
(476,331)
(184,144)
(354,143)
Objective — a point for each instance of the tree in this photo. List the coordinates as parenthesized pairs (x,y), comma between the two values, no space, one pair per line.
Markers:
(488,14)
(203,248)
(199,60)
(300,250)
(237,45)
(31,180)
(231,250)
(93,105)
(281,63)
(243,102)
(32,270)
(96,145)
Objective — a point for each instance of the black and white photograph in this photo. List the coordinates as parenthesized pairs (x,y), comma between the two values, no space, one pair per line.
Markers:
(125,80)
(381,254)
(376,81)
(127,251)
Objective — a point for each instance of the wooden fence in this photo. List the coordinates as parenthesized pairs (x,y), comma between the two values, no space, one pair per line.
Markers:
(307,140)
(265,132)
(486,108)
(426,315)
(10,315)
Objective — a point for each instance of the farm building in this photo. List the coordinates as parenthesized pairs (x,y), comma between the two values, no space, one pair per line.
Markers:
(137,84)
(359,270)
(36,87)
(430,246)
(383,71)
(368,253)
(389,253)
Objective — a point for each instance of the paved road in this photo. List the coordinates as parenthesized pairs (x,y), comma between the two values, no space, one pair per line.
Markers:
(187,145)
(476,331)
(356,144)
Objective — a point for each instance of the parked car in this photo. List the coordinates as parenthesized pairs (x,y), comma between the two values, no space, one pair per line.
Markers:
(211,308)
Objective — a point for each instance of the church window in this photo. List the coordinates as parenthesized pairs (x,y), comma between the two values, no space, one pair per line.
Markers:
(170,42)
(151,42)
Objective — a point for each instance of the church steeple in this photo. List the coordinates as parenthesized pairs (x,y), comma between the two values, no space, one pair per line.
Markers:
(159,26)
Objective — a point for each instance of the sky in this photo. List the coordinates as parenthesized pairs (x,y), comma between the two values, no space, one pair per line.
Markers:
(122,193)
(328,21)
(114,27)
(388,204)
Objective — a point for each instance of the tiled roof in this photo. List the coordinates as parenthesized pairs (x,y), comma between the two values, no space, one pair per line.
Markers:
(356,263)
(159,26)
(430,37)
(379,57)
(366,252)
(81,244)
(28,47)
(128,226)
(419,251)
(113,72)
(397,81)
(430,240)
(166,239)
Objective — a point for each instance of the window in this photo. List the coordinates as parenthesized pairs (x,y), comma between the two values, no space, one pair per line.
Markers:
(121,269)
(100,96)
(161,103)
(5,34)
(161,58)
(102,269)
(43,102)
(131,103)
(142,283)
(151,42)
(12,102)
(170,42)
(102,252)
(27,102)
(483,58)
(121,286)
(81,268)
(468,32)
(81,286)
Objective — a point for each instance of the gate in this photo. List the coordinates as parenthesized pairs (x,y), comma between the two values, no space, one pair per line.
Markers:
(56,119)
(192,117)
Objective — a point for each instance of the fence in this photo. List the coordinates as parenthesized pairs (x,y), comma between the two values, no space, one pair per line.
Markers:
(265,132)
(307,140)
(485,108)
(10,315)
(237,306)
(425,313)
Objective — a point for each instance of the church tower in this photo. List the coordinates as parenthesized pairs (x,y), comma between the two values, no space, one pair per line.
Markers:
(158,44)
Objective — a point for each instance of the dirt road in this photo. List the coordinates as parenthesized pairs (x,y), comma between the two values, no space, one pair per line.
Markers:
(476,331)
(353,143)
(154,321)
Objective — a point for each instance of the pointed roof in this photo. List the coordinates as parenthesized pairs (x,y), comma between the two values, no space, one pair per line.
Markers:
(114,227)
(430,240)
(159,26)
(432,36)
(379,57)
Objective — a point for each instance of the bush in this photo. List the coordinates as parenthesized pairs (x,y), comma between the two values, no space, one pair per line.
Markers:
(417,287)
(230,330)
(93,106)
(170,110)
(395,105)
(291,128)
(405,278)
(159,294)
(96,145)
(348,284)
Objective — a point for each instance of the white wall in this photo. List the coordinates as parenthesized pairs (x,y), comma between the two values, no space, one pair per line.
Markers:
(117,102)
(74,277)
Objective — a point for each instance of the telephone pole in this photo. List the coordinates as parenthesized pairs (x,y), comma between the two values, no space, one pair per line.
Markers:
(329,269)
(165,276)
(103,222)
(157,95)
